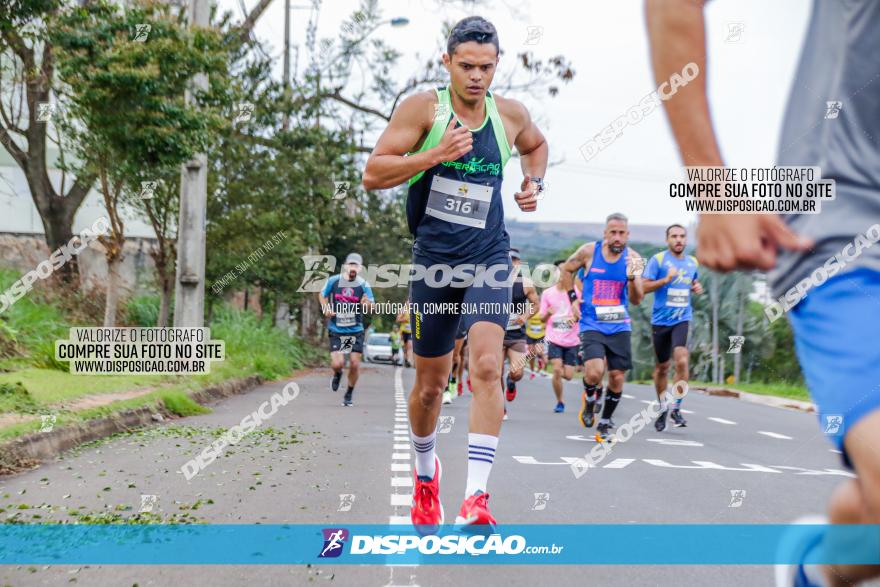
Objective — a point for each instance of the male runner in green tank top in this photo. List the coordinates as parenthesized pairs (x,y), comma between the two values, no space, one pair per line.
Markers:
(451,144)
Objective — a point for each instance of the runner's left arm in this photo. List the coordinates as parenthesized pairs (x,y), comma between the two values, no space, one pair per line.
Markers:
(635,264)
(367,300)
(696,286)
(533,154)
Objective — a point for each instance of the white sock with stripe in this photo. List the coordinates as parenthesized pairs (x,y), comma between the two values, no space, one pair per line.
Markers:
(424,447)
(481,455)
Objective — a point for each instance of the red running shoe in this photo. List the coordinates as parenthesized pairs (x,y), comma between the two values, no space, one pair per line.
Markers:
(426,511)
(470,389)
(475,512)
(460,387)
(511,390)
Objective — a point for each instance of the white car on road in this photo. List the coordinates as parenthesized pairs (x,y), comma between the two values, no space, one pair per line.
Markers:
(378,347)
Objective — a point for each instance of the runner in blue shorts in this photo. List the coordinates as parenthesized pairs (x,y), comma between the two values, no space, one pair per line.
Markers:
(824,268)
(452,144)
(672,276)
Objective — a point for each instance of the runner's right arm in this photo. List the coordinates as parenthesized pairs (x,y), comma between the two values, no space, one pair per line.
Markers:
(652,272)
(389,165)
(580,258)
(326,309)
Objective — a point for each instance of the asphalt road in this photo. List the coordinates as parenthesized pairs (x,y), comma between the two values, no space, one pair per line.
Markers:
(735,462)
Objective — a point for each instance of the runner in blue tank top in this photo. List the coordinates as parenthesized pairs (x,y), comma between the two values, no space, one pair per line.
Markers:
(672,276)
(611,278)
(451,145)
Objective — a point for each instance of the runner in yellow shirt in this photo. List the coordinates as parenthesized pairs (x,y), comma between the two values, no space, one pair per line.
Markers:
(535,334)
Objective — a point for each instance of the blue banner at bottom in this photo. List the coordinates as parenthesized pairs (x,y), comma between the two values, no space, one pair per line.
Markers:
(690,544)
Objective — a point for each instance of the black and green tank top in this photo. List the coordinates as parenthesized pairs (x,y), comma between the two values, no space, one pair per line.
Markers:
(454,209)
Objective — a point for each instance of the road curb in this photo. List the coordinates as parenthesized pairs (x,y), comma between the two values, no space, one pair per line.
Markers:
(29,451)
(765,400)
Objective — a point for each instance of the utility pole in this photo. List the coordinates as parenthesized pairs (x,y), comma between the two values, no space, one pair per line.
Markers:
(713,298)
(189,290)
(740,318)
(285,124)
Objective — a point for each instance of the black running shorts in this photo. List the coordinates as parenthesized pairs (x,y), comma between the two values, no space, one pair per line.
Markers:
(667,338)
(355,340)
(614,347)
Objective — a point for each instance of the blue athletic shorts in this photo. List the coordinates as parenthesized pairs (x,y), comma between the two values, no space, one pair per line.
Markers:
(434,332)
(835,332)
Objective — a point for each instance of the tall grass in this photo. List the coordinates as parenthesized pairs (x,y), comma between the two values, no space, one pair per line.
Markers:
(253,342)
(142,311)
(29,328)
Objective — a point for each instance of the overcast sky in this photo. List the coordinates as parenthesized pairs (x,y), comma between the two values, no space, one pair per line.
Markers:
(749,80)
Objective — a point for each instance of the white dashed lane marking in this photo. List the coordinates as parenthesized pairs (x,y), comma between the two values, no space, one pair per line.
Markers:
(401,443)
(401,499)
(774,435)
(723,421)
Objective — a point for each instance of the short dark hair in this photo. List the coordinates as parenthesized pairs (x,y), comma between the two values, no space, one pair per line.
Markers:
(671,226)
(472,28)
(558,262)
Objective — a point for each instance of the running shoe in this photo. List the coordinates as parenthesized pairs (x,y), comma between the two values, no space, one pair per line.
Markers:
(678,419)
(334,385)
(451,387)
(447,397)
(347,400)
(475,512)
(587,414)
(560,407)
(505,414)
(460,387)
(603,431)
(660,422)
(511,390)
(470,389)
(426,511)
(531,375)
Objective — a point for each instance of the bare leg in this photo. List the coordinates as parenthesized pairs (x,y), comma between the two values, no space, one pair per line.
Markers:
(857,501)
(487,407)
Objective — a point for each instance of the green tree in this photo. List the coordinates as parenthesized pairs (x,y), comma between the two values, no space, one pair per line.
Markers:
(128,120)
(28,82)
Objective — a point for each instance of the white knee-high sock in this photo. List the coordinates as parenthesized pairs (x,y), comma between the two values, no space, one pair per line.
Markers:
(424,447)
(481,455)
